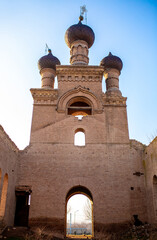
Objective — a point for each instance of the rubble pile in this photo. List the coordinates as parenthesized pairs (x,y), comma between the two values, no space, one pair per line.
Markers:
(142,232)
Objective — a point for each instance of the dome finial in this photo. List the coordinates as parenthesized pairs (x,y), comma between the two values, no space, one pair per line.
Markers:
(79,32)
(48,61)
(80,18)
(112,61)
(49,50)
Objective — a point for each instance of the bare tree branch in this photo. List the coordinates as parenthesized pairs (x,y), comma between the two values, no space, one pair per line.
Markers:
(88,209)
(68,208)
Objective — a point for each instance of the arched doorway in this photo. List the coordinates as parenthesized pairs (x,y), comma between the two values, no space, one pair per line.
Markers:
(3,196)
(155,194)
(0,176)
(79,213)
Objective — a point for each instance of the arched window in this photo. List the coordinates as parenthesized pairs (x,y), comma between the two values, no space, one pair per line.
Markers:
(79,106)
(0,176)
(4,196)
(79,213)
(155,193)
(79,138)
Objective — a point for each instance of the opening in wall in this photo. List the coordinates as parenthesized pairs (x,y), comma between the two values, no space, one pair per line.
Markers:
(79,106)
(79,138)
(155,193)
(79,213)
(4,196)
(55,83)
(0,176)
(23,199)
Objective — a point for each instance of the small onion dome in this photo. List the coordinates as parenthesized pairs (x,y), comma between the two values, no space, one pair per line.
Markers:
(112,61)
(48,61)
(79,32)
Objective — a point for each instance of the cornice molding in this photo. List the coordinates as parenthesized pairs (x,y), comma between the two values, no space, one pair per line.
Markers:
(113,100)
(44,96)
(79,73)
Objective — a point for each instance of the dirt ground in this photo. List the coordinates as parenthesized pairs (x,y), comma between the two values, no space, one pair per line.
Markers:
(144,232)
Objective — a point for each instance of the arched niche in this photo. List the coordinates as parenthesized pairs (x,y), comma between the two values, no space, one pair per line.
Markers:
(155,194)
(4,196)
(79,222)
(0,176)
(82,94)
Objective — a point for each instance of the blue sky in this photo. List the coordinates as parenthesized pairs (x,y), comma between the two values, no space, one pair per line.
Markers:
(126,28)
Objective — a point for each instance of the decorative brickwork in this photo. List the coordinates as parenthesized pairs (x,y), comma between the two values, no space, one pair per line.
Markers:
(113,100)
(44,96)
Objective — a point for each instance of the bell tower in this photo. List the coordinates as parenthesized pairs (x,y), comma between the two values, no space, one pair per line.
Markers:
(80,87)
(57,166)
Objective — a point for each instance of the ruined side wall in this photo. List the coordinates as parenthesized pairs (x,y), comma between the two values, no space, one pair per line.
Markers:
(8,165)
(138,201)
(150,164)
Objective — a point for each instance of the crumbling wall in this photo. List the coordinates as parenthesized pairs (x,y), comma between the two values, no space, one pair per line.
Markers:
(150,165)
(8,167)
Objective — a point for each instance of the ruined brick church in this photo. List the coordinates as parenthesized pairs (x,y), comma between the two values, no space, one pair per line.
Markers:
(117,174)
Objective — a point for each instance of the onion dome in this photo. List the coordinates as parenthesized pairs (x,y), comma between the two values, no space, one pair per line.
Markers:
(112,61)
(79,32)
(48,61)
